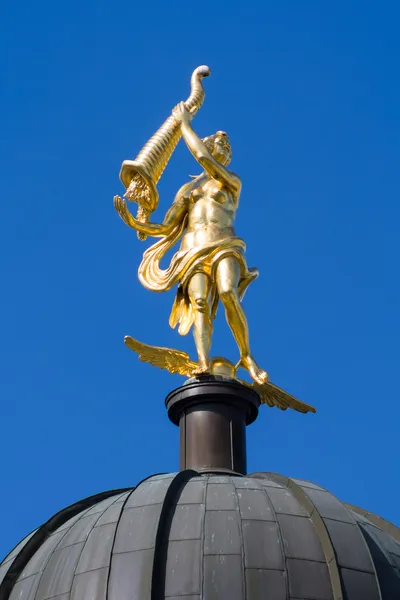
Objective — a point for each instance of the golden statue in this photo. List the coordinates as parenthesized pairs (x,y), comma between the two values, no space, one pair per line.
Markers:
(210,265)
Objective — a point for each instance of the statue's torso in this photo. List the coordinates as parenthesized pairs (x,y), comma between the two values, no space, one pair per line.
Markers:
(211,213)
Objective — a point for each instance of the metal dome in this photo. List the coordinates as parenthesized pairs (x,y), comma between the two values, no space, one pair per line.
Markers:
(188,536)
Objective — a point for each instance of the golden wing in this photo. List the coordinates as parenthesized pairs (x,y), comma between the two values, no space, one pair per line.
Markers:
(274,396)
(174,361)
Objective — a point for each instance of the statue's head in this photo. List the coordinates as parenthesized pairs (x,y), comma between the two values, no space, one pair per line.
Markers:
(220,147)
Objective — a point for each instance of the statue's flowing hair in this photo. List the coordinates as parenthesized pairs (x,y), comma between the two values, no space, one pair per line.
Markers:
(209,141)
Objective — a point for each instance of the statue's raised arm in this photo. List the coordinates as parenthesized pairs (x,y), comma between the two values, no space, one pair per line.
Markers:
(141,175)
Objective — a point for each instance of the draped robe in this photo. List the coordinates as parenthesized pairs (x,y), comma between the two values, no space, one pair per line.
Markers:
(186,263)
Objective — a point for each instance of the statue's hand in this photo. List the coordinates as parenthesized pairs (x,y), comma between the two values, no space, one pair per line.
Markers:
(181,114)
(122,210)
(152,229)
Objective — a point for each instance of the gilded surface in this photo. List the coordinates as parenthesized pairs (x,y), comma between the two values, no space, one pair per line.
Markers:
(210,265)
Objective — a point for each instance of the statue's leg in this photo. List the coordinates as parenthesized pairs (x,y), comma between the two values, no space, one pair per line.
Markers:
(198,290)
(228,276)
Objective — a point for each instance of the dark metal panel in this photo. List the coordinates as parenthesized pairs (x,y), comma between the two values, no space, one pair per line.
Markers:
(97,550)
(350,548)
(26,588)
(39,559)
(262,546)
(262,584)
(266,479)
(328,506)
(61,597)
(183,568)
(212,478)
(223,577)
(384,562)
(194,491)
(245,483)
(378,546)
(90,586)
(254,504)
(149,492)
(111,515)
(123,497)
(308,484)
(137,528)
(300,539)
(384,540)
(79,532)
(222,532)
(184,598)
(358,585)
(221,496)
(187,522)
(284,502)
(389,581)
(396,560)
(384,525)
(59,572)
(130,575)
(308,579)
(70,522)
(104,504)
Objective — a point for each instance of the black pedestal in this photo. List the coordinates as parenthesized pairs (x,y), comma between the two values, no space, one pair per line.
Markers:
(212,413)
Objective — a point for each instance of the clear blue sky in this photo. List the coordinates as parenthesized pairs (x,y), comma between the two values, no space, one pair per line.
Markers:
(309,93)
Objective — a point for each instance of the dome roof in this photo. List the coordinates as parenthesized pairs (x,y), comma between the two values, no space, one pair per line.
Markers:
(208,536)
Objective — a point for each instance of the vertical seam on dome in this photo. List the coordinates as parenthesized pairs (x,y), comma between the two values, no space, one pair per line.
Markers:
(116,528)
(383,550)
(182,423)
(115,535)
(239,513)
(378,585)
(85,542)
(231,439)
(326,544)
(158,577)
(281,541)
(203,539)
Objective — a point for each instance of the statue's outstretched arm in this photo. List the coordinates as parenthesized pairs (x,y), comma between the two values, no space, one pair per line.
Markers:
(200,151)
(173,217)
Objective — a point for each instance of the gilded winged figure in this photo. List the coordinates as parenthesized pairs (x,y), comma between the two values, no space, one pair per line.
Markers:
(209,266)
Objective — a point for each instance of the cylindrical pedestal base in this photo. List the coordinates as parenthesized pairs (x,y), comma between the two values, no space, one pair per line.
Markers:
(212,414)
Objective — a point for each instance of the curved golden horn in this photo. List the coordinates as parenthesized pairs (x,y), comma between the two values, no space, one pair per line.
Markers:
(141,175)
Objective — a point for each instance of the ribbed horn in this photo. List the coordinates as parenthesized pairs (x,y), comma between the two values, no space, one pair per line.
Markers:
(141,175)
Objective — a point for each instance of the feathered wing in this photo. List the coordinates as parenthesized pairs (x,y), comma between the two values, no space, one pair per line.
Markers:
(274,396)
(174,361)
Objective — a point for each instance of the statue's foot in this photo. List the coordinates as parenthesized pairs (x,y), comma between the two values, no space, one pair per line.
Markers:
(258,374)
(204,367)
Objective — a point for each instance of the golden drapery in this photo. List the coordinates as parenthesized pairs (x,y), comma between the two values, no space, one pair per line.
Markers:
(184,264)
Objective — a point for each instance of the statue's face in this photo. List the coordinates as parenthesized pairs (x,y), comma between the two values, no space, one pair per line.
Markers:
(222,149)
